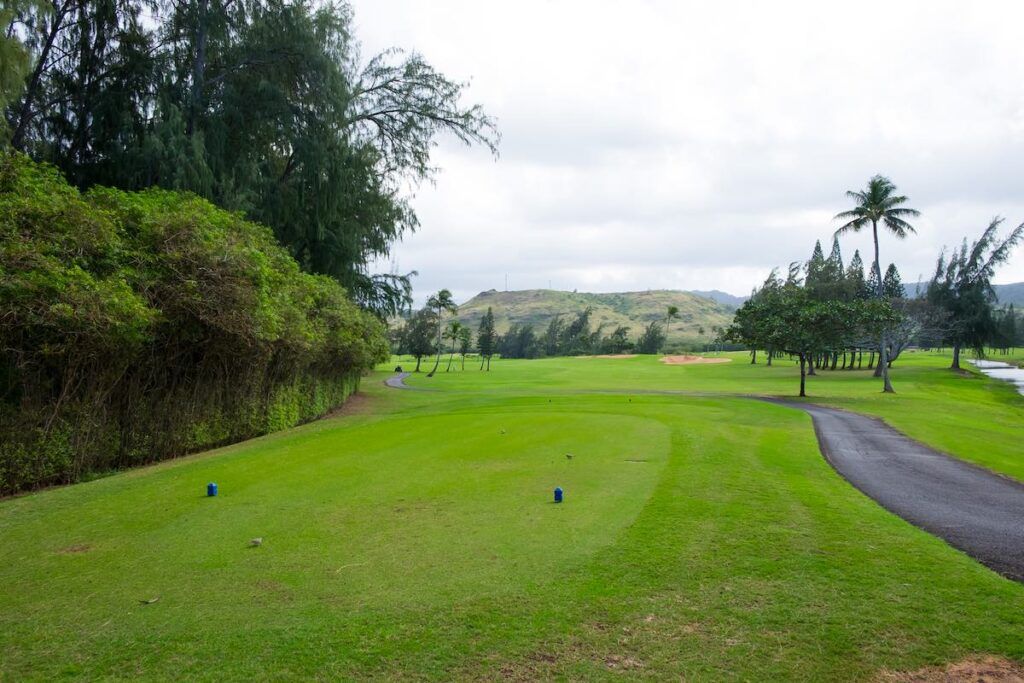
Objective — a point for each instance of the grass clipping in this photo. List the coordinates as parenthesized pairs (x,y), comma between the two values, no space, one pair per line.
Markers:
(974,670)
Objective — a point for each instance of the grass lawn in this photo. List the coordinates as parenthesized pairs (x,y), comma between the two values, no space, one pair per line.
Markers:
(702,536)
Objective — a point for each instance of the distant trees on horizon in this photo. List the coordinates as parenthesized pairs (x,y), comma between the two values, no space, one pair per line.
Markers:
(825,312)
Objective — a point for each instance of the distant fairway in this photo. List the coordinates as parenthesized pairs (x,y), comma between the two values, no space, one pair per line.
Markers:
(702,536)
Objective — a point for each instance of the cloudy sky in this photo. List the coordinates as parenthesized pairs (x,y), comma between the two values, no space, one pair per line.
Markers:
(695,145)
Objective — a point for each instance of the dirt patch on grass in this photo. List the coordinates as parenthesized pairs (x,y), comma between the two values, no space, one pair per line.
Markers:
(616,355)
(971,670)
(75,549)
(356,404)
(692,360)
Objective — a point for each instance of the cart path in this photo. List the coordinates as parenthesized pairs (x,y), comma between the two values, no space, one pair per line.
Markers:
(398,381)
(971,508)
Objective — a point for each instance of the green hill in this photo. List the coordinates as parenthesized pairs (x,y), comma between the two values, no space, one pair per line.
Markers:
(633,309)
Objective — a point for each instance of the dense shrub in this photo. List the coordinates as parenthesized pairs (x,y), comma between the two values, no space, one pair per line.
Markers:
(140,326)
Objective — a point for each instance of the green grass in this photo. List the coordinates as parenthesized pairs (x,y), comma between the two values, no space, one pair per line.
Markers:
(702,536)
(964,414)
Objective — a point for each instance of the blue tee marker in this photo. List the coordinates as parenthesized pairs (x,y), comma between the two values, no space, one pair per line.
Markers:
(558,494)
(211,489)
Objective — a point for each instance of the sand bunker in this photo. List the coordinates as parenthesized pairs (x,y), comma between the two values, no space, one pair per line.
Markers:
(692,360)
(619,355)
(985,669)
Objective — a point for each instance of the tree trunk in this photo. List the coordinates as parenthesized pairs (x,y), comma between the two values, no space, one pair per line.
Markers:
(451,356)
(770,355)
(488,363)
(440,345)
(753,356)
(956,357)
(418,359)
(803,375)
(871,359)
(25,114)
(883,360)
(835,359)
(199,66)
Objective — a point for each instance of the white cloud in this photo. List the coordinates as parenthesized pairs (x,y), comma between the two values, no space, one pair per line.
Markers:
(698,145)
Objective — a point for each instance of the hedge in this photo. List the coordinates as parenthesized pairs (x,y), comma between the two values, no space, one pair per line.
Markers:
(140,326)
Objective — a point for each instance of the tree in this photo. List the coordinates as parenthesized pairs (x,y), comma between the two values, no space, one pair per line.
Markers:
(651,339)
(618,341)
(551,341)
(962,286)
(878,203)
(892,283)
(440,303)
(453,333)
(14,57)
(672,313)
(795,322)
(486,338)
(419,336)
(465,343)
(519,342)
(857,285)
(576,337)
(262,106)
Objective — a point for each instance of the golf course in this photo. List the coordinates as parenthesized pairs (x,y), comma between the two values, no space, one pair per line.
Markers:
(413,535)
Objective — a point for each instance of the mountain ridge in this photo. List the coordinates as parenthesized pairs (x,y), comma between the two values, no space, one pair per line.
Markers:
(633,309)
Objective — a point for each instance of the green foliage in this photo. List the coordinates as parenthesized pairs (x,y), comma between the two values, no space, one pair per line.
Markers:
(651,339)
(417,335)
(487,338)
(139,326)
(519,342)
(260,106)
(794,319)
(962,287)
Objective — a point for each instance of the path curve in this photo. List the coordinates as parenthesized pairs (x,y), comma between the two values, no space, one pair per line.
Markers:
(398,381)
(971,508)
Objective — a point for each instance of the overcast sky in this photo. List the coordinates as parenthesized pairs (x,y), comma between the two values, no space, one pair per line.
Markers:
(695,145)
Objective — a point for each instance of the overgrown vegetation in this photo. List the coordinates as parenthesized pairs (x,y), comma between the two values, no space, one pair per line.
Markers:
(139,326)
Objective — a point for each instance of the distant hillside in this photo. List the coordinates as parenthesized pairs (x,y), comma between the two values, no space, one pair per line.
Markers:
(1007,294)
(633,309)
(724,298)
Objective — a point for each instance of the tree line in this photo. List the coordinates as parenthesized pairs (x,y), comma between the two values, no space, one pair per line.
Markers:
(261,106)
(425,333)
(827,314)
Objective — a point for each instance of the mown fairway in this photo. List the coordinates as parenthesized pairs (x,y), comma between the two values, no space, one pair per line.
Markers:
(702,536)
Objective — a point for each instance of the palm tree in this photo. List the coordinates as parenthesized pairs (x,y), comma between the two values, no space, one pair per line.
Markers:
(879,203)
(672,313)
(441,302)
(453,332)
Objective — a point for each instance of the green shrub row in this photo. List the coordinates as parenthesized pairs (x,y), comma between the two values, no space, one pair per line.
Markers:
(140,326)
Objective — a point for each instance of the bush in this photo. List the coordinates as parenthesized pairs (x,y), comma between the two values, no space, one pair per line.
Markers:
(140,326)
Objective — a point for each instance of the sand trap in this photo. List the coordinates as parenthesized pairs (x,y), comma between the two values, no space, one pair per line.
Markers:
(692,360)
(620,355)
(986,669)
